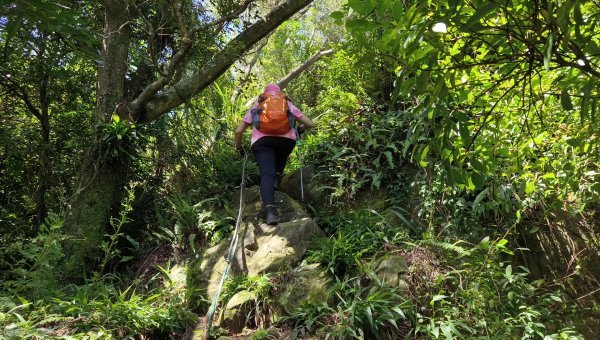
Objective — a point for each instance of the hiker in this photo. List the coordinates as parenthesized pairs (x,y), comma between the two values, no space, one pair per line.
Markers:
(273,138)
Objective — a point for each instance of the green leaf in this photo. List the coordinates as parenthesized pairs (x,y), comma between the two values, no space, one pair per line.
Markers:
(382,6)
(446,153)
(549,175)
(399,311)
(470,185)
(461,116)
(370,317)
(508,271)
(574,142)
(422,83)
(390,158)
(337,15)
(478,166)
(397,10)
(473,24)
(447,331)
(437,298)
(548,54)
(456,176)
(480,197)
(362,8)
(357,6)
(135,244)
(577,16)
(478,180)
(12,27)
(530,187)
(565,100)
(465,133)
(422,162)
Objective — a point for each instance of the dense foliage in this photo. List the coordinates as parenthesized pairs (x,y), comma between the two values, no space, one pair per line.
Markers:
(447,133)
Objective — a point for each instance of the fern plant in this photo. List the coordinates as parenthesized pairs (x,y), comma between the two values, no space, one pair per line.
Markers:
(486,296)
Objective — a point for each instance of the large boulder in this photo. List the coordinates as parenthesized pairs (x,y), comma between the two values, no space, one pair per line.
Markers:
(291,185)
(266,249)
(566,247)
(391,270)
(239,307)
(304,284)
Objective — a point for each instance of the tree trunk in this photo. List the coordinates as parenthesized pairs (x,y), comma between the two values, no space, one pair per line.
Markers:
(102,179)
(45,165)
(113,68)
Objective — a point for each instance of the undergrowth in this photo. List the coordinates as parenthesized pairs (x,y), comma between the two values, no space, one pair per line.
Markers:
(34,303)
(460,281)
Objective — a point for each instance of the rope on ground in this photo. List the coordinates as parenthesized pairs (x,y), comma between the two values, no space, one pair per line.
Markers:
(230,253)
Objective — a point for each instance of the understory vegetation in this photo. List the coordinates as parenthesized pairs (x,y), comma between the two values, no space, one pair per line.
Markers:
(454,141)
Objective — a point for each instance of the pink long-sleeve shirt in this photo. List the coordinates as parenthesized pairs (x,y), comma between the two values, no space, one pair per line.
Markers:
(256,134)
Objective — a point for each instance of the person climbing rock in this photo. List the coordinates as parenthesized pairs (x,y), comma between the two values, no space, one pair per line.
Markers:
(272,118)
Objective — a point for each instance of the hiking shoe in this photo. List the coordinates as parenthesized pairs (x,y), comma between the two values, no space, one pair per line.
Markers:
(272,218)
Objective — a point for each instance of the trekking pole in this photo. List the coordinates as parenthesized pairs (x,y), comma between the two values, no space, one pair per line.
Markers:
(300,160)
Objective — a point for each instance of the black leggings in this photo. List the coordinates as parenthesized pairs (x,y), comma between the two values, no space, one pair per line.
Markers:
(271,154)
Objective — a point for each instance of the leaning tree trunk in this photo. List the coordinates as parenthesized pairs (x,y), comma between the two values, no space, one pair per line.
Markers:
(102,178)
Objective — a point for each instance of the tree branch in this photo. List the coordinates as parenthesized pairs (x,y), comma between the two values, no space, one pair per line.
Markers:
(248,71)
(166,76)
(225,18)
(204,75)
(298,70)
(13,87)
(285,81)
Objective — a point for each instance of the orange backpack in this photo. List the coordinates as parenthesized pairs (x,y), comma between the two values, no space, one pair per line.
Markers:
(272,115)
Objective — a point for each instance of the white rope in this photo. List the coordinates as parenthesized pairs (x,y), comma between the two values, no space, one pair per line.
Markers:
(230,252)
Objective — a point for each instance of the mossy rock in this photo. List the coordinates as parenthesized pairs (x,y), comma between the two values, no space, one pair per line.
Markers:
(391,270)
(304,284)
(291,185)
(233,316)
(264,248)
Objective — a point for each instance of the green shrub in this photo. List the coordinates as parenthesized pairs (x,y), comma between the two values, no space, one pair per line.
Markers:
(484,296)
(34,274)
(360,310)
(362,153)
(98,310)
(354,235)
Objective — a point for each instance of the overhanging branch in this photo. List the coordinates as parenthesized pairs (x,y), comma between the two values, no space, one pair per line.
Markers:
(298,70)
(204,75)
(285,81)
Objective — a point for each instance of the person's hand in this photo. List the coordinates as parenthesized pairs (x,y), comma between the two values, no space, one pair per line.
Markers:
(301,129)
(240,149)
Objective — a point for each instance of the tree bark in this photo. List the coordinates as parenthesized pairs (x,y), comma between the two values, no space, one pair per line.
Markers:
(113,66)
(45,166)
(101,181)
